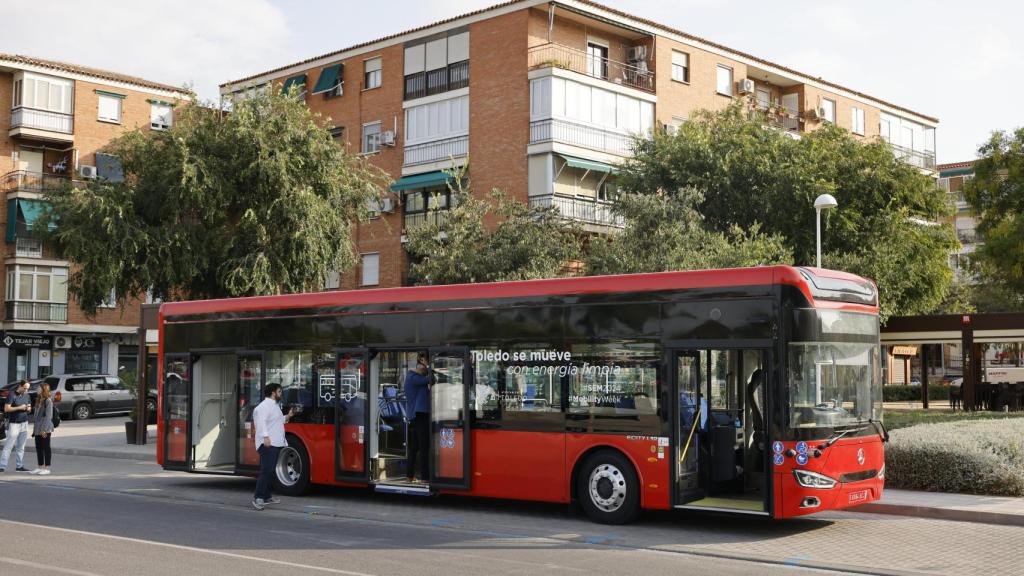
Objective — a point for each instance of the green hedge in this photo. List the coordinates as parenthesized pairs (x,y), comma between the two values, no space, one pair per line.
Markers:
(971,457)
(909,392)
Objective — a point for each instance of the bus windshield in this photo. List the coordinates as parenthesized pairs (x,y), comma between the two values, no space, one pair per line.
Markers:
(834,369)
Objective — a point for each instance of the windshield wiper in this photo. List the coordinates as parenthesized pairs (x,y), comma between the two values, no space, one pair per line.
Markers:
(880,428)
(835,437)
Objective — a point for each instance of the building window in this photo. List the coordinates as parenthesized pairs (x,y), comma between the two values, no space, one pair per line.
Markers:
(437,65)
(828,110)
(371,138)
(110,108)
(332,281)
(372,73)
(110,301)
(885,129)
(857,120)
(338,134)
(597,60)
(37,284)
(680,66)
(724,85)
(370,270)
(43,93)
(425,206)
(161,115)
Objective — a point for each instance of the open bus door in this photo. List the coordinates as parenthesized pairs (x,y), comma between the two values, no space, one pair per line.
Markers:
(177,408)
(352,416)
(691,418)
(249,395)
(449,418)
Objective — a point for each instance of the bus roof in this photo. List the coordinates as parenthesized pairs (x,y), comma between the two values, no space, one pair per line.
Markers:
(817,284)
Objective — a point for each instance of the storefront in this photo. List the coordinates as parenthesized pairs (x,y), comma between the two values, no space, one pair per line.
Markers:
(36,355)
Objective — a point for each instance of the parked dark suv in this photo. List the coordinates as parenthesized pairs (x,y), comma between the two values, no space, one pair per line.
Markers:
(81,396)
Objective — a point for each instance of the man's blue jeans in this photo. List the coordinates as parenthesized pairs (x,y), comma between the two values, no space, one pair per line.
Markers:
(268,460)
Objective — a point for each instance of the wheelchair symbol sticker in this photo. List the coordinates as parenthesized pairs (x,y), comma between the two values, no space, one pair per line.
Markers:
(801,447)
(777,447)
(447,438)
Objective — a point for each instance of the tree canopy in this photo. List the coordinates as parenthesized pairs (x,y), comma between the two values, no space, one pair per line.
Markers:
(491,239)
(260,200)
(764,182)
(997,195)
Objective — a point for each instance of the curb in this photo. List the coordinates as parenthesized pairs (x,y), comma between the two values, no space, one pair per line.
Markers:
(92,452)
(955,514)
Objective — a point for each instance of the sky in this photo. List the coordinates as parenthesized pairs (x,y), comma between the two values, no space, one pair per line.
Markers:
(944,59)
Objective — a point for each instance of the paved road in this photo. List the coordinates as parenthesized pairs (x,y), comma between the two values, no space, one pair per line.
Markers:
(201,524)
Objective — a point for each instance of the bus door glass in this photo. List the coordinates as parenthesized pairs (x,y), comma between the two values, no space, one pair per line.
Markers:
(692,420)
(449,415)
(250,394)
(177,404)
(352,418)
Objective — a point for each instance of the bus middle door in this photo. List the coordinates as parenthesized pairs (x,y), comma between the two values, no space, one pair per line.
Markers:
(449,418)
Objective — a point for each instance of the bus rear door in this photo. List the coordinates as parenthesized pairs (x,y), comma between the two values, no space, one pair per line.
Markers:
(449,414)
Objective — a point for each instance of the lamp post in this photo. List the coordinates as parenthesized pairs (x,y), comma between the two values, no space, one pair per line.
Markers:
(823,202)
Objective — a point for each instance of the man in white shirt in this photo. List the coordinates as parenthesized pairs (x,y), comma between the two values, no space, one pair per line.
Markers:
(269,422)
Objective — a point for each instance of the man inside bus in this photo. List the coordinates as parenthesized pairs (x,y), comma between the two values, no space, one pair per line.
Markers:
(417,398)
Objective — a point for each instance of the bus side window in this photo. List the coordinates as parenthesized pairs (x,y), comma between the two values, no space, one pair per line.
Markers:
(484,397)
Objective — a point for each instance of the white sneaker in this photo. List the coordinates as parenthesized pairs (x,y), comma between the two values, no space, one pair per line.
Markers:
(36,471)
(44,472)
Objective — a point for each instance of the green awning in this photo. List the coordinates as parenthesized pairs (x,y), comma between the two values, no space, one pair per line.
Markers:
(427,180)
(328,79)
(574,162)
(25,212)
(299,81)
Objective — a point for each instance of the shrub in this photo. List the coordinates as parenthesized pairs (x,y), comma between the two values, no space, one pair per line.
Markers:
(974,457)
(912,392)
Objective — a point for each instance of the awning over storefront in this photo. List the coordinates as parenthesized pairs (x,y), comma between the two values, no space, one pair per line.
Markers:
(24,211)
(328,79)
(299,81)
(592,165)
(426,180)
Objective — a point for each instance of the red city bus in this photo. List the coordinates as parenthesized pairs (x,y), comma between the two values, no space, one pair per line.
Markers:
(754,391)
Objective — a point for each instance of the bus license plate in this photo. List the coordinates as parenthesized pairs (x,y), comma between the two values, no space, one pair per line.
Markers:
(859,496)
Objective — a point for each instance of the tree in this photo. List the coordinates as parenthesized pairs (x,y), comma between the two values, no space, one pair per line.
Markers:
(997,195)
(762,179)
(260,200)
(666,232)
(491,239)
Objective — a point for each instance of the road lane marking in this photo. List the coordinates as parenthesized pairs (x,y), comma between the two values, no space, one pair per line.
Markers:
(47,567)
(291,565)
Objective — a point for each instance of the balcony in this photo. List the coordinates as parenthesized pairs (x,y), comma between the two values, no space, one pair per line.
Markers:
(583,210)
(41,124)
(776,116)
(922,160)
(452,77)
(968,235)
(36,312)
(28,246)
(436,151)
(25,181)
(558,56)
(568,132)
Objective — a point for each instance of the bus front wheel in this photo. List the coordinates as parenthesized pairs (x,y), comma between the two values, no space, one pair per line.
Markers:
(608,488)
(291,474)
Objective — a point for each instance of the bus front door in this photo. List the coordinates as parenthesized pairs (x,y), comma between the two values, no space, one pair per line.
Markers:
(352,417)
(449,418)
(691,421)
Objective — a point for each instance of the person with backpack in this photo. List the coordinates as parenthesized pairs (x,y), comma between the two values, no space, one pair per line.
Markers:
(42,430)
(17,409)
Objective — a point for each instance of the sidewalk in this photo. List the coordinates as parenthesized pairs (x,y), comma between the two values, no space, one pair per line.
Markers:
(1002,510)
(102,437)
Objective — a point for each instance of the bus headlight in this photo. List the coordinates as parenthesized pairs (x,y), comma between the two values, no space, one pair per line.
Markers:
(809,479)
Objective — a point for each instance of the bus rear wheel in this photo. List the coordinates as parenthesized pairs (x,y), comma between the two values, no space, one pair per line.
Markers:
(291,474)
(608,488)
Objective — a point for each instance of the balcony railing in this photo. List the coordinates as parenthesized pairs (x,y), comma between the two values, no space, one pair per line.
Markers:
(22,117)
(25,181)
(28,246)
(777,116)
(438,150)
(36,312)
(581,210)
(924,160)
(451,77)
(410,221)
(553,130)
(558,56)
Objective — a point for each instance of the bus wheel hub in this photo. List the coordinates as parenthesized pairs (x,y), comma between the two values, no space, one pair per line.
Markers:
(607,487)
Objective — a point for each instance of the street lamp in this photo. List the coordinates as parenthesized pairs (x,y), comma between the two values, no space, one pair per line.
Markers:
(823,202)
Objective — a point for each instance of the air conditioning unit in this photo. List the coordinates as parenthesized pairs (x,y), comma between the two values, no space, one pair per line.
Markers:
(815,113)
(62,342)
(387,205)
(87,172)
(387,138)
(745,86)
(336,91)
(637,53)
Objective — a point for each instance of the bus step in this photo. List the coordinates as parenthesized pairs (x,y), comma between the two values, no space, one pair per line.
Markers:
(409,489)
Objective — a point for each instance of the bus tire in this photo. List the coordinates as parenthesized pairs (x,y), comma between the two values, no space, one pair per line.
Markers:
(291,473)
(608,489)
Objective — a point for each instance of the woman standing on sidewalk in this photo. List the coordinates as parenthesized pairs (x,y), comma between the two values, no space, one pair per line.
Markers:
(42,430)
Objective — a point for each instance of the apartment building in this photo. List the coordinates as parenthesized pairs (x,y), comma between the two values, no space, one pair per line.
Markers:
(951,178)
(543,98)
(61,116)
